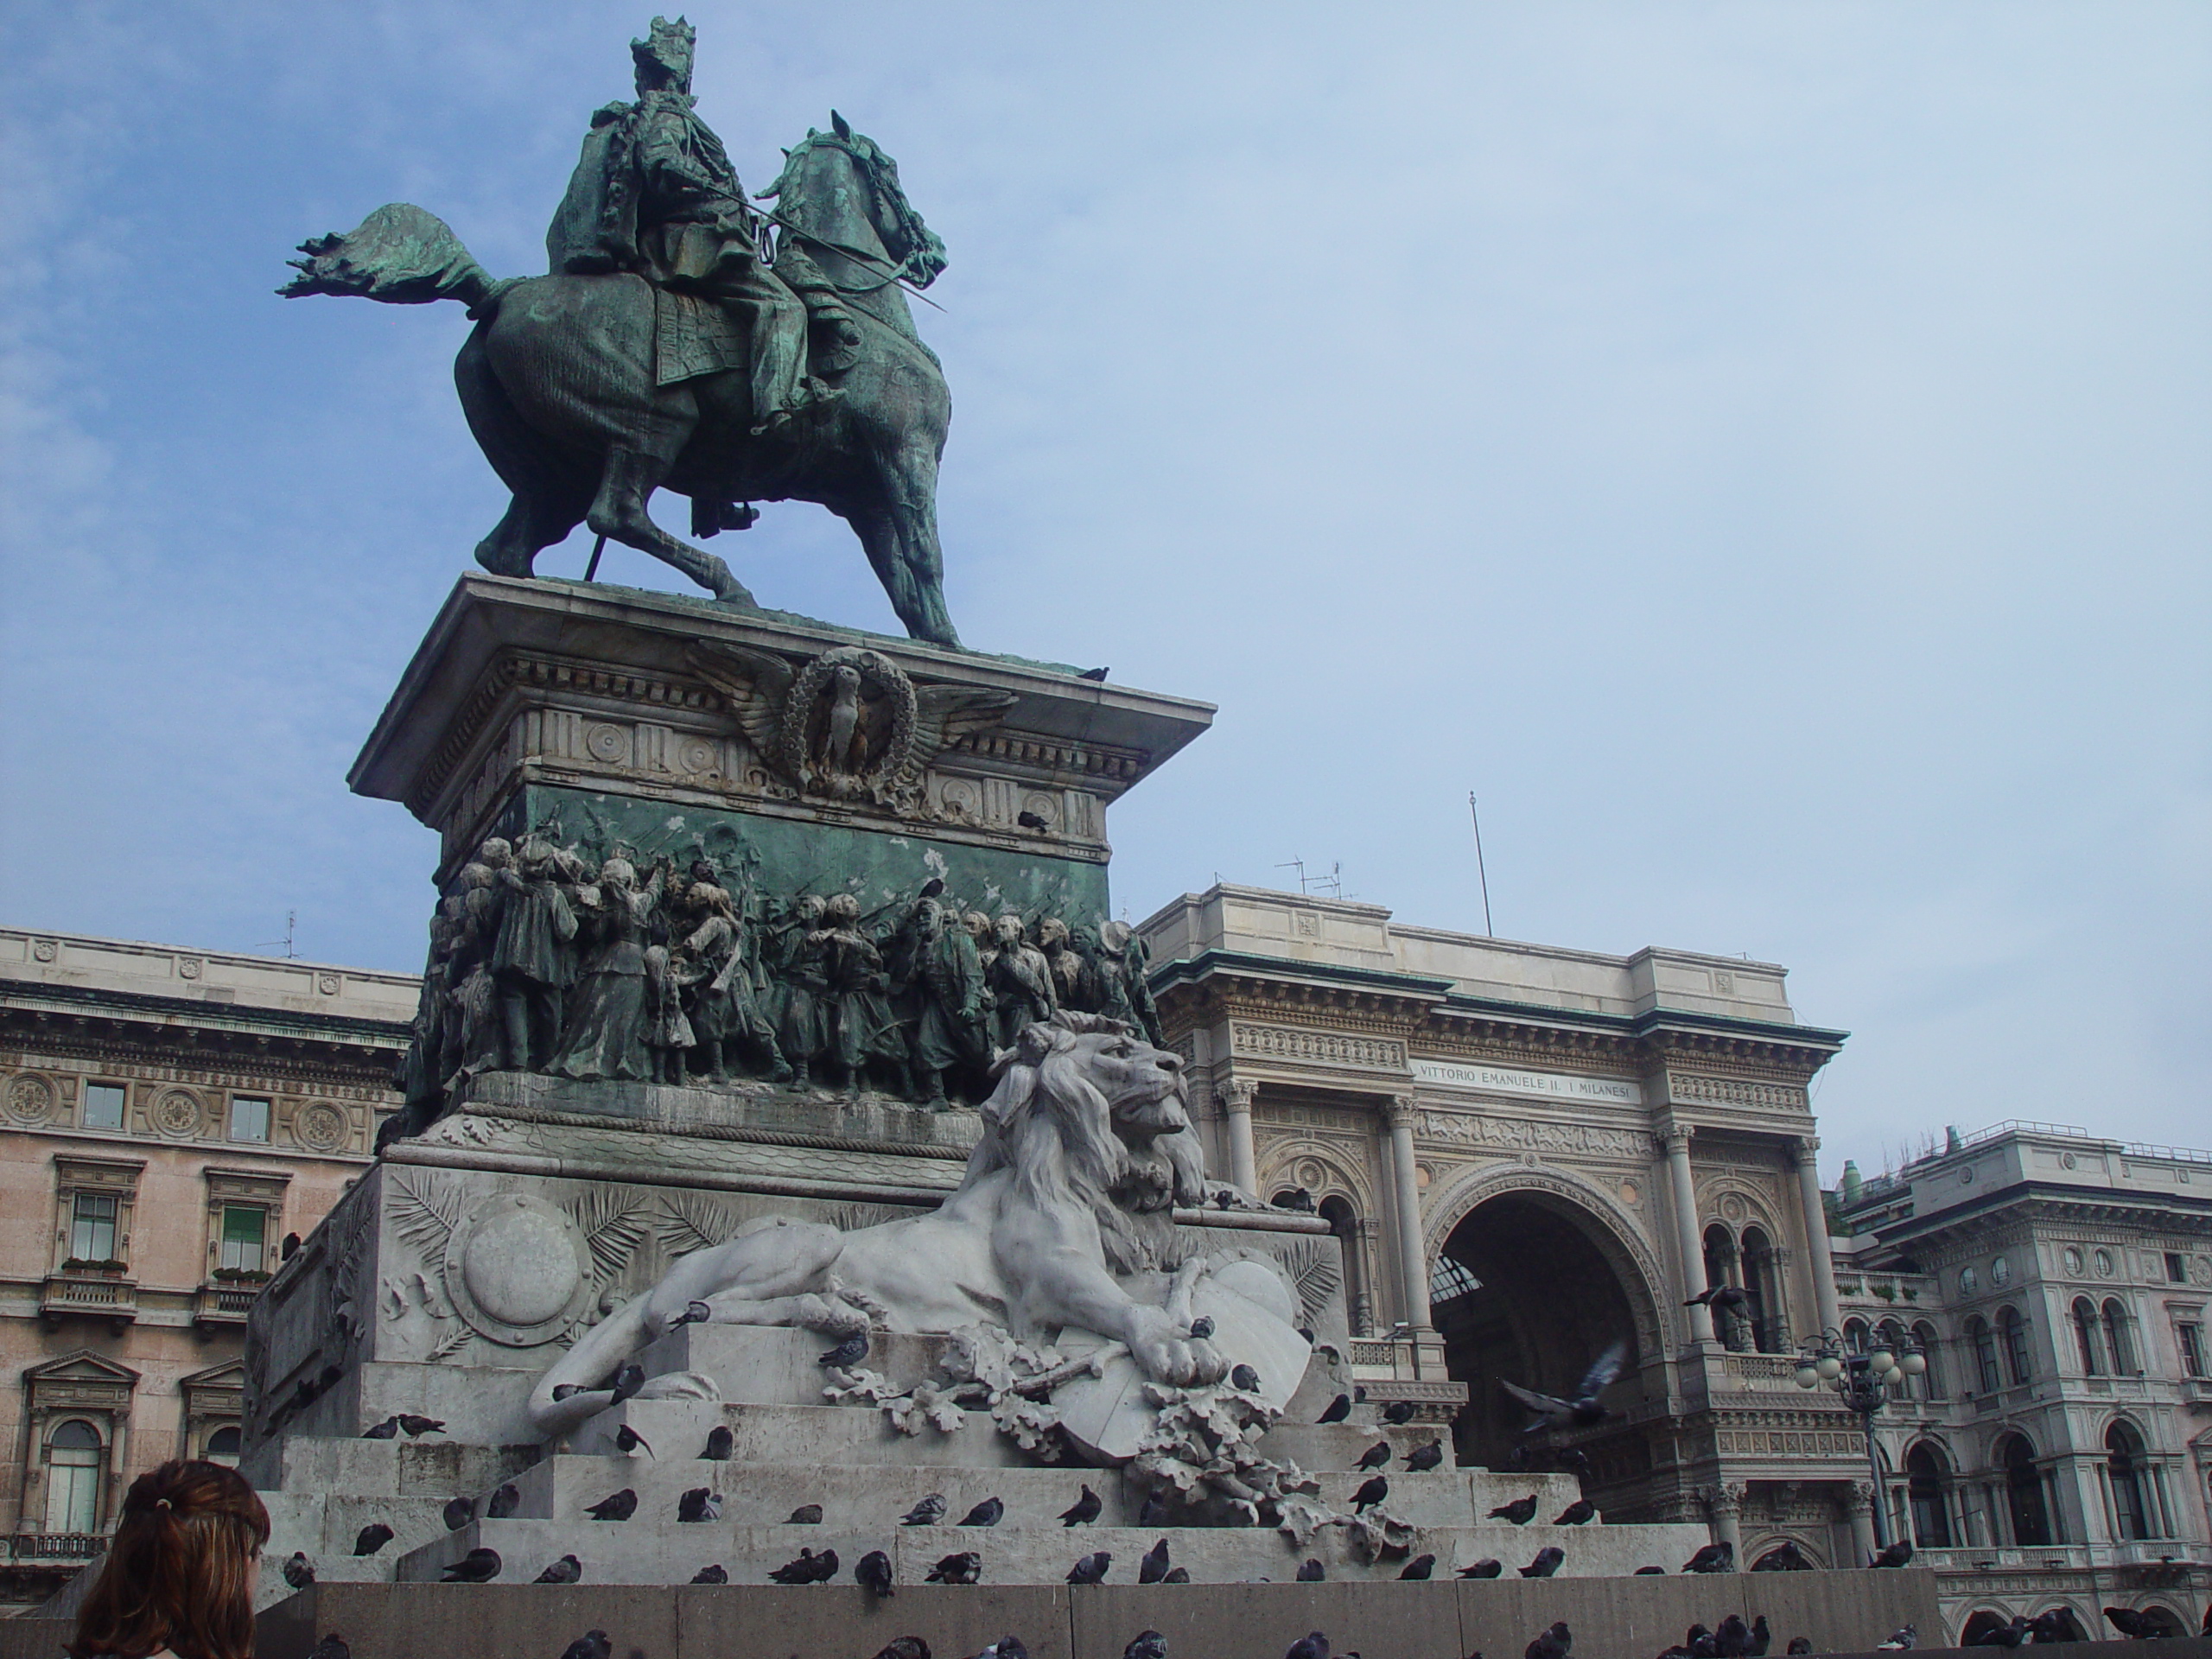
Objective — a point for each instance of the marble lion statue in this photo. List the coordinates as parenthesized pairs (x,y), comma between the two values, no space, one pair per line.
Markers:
(1068,1199)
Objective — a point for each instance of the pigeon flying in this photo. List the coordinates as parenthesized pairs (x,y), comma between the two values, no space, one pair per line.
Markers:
(1546,1564)
(567,1570)
(1153,1566)
(927,1513)
(1091,1568)
(964,1569)
(1375,1456)
(1489,1568)
(1521,1511)
(373,1538)
(1083,1510)
(722,1440)
(872,1574)
(480,1566)
(619,1506)
(700,1503)
(1419,1567)
(1582,1410)
(985,1514)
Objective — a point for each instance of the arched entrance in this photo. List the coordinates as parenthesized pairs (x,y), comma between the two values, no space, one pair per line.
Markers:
(1540,1286)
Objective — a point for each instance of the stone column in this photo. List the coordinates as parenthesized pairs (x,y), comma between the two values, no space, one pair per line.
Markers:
(1859,1503)
(1362,1247)
(1413,1259)
(1686,1233)
(1236,1095)
(118,1463)
(1821,1262)
(1724,1508)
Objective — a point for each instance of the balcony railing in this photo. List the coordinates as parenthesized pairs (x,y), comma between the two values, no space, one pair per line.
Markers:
(56,1546)
(1763,1371)
(224,1304)
(98,1295)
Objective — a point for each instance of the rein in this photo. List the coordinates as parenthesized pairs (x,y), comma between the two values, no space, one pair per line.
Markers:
(898,274)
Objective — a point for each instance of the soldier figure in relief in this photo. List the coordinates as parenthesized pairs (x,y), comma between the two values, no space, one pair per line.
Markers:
(606,1034)
(715,960)
(1021,981)
(533,959)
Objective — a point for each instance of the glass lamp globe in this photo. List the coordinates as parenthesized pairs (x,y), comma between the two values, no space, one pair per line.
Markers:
(1881,1360)
(1894,1377)
(1807,1376)
(1829,1366)
(1913,1364)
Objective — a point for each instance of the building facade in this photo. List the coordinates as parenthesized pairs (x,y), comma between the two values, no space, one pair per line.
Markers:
(168,1117)
(2058,1451)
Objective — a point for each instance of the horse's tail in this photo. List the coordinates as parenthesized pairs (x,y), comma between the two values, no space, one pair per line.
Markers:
(399,254)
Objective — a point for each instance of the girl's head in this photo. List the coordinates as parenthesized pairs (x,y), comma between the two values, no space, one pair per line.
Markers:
(179,1573)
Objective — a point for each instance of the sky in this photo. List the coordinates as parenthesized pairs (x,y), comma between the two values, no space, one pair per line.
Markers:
(1761,451)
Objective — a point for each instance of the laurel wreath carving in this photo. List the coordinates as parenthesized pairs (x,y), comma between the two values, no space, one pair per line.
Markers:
(690,1221)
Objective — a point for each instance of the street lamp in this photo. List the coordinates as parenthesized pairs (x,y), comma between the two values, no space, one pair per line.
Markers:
(1863,1382)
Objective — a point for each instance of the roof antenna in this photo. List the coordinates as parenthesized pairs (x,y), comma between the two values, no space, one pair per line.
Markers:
(1480,872)
(291,918)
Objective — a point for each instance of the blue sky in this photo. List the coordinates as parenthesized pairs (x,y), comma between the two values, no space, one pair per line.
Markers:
(1762,449)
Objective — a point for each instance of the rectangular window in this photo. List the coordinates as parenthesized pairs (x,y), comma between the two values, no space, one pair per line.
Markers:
(92,1228)
(2189,1337)
(103,1106)
(2176,1268)
(249,1118)
(243,1229)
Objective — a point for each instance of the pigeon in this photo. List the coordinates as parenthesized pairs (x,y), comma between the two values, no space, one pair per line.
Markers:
(592,1644)
(927,1513)
(904,1647)
(1800,1647)
(1007,1647)
(333,1646)
(1785,1557)
(1712,1558)
(693,1313)
(1154,1512)
(1896,1555)
(1083,1510)
(1300,1200)
(1152,1568)
(1720,1296)
(850,1351)
(715,1575)
(459,1512)
(1521,1511)
(1091,1568)
(1375,1456)
(1553,1643)
(620,1507)
(417,1426)
(386,1430)
(1419,1567)
(627,1439)
(1575,1513)
(964,1569)
(985,1514)
(2006,1636)
(1649,1572)
(1399,1413)
(567,1570)
(2049,1626)
(1546,1564)
(1489,1568)
(1311,1571)
(1582,1410)
(1243,1379)
(505,1502)
(1029,820)
(1202,1327)
(627,1382)
(1900,1640)
(480,1566)
(1703,1644)
(1337,1410)
(566,1391)
(1146,1644)
(289,1249)
(1372,1490)
(722,1440)
(1176,1575)
(805,1569)
(372,1538)
(700,1503)
(807,1515)
(2129,1623)
(1733,1638)
(825,1566)
(872,1574)
(1099,675)
(1422,1458)
(1311,1645)
(299,1571)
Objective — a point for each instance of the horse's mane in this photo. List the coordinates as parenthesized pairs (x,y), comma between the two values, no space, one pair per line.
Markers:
(925,256)
(1049,1123)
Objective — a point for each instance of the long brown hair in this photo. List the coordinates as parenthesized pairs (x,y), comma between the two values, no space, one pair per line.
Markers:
(179,1573)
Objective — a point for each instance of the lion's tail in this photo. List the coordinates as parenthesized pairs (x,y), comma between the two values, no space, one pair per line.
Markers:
(400,255)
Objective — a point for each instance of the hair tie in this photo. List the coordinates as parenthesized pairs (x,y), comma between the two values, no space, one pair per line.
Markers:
(163,1503)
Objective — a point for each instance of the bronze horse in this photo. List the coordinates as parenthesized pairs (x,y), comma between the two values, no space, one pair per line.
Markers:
(562,384)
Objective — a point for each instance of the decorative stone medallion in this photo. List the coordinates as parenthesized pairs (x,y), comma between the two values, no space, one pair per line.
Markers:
(177,1113)
(45,949)
(516,1270)
(31,1099)
(327,984)
(320,1126)
(188,966)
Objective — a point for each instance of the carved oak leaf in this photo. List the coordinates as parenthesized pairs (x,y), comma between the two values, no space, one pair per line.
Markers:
(943,715)
(753,683)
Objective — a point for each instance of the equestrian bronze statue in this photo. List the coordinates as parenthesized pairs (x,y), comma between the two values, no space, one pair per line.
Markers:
(686,339)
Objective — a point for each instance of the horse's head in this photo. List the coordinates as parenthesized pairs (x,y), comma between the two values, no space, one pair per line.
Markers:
(816,192)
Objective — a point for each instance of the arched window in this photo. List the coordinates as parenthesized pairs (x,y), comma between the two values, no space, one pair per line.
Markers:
(223,1446)
(1760,1291)
(2124,1467)
(1719,1256)
(1925,1482)
(1344,1222)
(1985,1355)
(2116,1340)
(2085,1337)
(2013,1331)
(1855,1332)
(1930,1383)
(74,1459)
(2024,1492)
